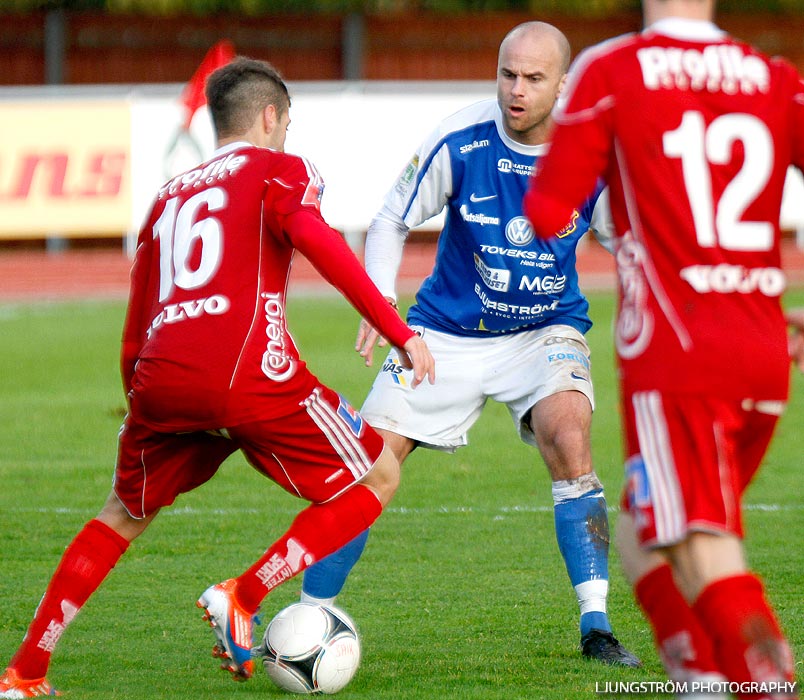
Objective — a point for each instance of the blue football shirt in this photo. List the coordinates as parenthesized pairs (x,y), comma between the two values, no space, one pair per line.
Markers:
(491,275)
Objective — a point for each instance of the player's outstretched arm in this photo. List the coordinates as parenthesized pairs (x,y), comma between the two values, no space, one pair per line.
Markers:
(326,250)
(368,338)
(385,242)
(795,317)
(415,355)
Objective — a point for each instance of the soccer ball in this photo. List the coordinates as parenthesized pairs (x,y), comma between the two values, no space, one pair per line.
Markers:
(311,649)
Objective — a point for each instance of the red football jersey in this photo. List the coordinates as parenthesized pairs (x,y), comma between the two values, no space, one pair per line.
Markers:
(694,132)
(206,322)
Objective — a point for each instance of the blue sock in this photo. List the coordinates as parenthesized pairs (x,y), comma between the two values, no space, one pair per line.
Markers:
(582,531)
(325,579)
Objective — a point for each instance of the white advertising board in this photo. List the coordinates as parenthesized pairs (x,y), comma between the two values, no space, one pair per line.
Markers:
(360,135)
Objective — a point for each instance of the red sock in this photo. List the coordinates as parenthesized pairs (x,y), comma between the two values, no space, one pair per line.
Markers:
(748,643)
(684,647)
(317,531)
(84,564)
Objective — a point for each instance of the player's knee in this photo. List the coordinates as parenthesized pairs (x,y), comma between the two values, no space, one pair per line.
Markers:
(384,477)
(704,557)
(115,516)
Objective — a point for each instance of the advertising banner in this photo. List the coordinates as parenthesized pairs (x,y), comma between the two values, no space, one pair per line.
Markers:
(65,168)
(82,164)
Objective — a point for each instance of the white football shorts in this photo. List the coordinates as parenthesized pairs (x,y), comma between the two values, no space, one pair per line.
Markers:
(516,369)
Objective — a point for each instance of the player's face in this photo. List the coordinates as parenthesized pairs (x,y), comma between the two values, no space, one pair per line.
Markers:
(529,80)
(280,132)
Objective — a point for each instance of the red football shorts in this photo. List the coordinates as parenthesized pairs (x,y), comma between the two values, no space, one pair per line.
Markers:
(315,453)
(690,459)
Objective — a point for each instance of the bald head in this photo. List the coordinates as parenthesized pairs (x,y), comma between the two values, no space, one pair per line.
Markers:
(539,34)
(531,70)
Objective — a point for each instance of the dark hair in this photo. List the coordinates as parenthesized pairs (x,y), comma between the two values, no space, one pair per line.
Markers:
(238,91)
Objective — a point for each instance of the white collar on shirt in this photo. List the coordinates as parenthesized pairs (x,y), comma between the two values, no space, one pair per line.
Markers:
(688,29)
(537,150)
(231,147)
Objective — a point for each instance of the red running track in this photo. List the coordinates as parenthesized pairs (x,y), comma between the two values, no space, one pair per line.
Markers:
(104,273)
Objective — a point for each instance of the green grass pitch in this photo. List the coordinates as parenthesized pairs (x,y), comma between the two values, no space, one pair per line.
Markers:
(461,592)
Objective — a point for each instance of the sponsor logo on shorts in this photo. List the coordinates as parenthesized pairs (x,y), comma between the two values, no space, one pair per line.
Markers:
(570,356)
(637,485)
(351,417)
(392,367)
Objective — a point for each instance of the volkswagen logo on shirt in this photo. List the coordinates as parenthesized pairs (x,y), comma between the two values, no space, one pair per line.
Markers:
(518,231)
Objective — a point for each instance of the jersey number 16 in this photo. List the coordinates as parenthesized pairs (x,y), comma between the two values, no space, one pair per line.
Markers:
(178,230)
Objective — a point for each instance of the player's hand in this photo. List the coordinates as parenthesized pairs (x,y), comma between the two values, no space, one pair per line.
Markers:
(416,355)
(367,339)
(795,317)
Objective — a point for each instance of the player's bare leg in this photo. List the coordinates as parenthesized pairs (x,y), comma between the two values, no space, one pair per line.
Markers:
(730,603)
(383,479)
(115,515)
(683,645)
(703,558)
(561,424)
(400,445)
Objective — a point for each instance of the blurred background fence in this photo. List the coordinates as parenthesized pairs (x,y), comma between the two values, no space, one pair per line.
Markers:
(81,47)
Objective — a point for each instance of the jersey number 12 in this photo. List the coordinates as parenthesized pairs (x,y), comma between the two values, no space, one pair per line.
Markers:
(700,147)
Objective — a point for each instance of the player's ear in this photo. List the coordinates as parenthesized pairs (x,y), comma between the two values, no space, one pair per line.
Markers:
(270,118)
(561,84)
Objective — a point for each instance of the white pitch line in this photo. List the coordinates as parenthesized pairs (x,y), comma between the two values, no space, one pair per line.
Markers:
(179,511)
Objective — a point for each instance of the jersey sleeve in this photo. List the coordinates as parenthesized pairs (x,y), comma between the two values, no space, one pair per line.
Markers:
(327,251)
(420,192)
(385,242)
(296,186)
(423,187)
(578,155)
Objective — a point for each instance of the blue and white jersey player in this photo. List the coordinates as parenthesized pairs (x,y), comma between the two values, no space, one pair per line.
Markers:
(502,313)
(491,275)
